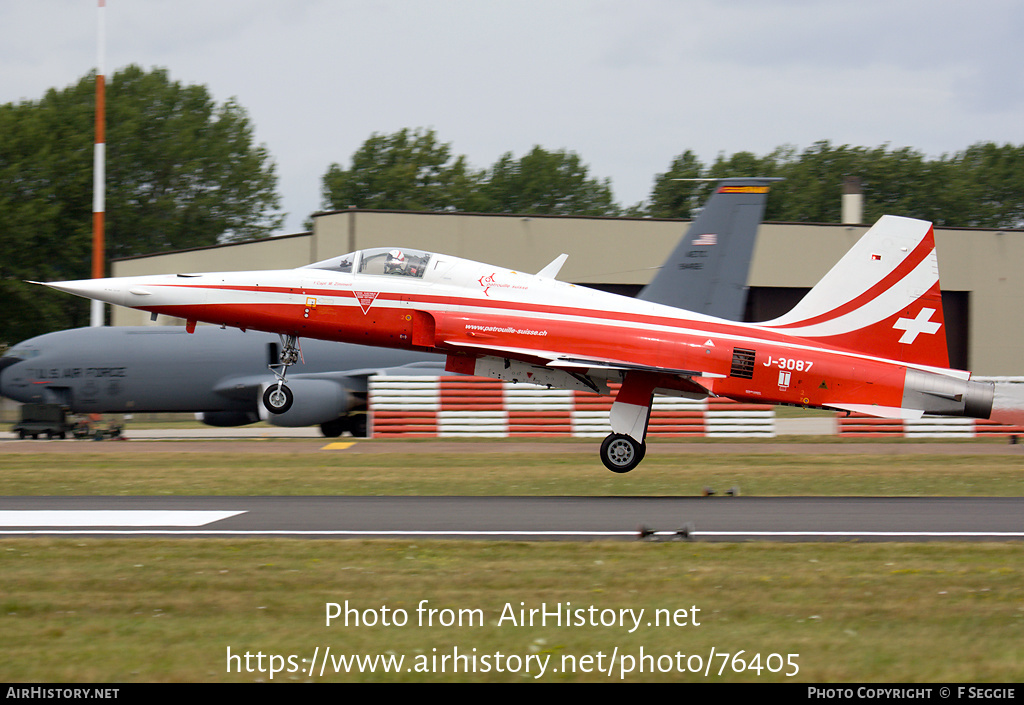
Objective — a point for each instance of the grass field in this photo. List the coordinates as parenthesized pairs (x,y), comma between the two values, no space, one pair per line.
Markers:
(423,471)
(83,610)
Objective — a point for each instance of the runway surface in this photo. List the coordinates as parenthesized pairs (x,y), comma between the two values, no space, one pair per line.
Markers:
(523,518)
(718,518)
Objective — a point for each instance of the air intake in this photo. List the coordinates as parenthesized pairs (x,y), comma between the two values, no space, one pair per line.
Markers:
(742,363)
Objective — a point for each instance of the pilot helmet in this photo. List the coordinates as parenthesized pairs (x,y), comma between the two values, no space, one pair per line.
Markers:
(395,260)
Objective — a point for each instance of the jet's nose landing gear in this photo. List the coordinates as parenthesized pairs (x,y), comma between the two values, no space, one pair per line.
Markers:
(278,398)
(621,453)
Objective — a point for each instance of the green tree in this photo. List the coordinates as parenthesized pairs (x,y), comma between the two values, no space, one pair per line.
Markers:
(684,188)
(406,170)
(181,172)
(745,164)
(413,170)
(981,186)
(46,206)
(813,186)
(901,182)
(987,181)
(677,192)
(547,183)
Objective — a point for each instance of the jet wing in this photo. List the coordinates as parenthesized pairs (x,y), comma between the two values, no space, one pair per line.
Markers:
(571,362)
(593,363)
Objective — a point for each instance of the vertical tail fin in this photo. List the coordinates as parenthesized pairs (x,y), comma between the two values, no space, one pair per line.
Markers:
(707,271)
(882,298)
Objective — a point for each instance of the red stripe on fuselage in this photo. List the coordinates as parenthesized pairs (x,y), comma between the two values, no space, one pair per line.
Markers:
(457,305)
(585,336)
(748,334)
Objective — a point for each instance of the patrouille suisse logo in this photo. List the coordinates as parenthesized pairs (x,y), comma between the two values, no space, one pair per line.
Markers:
(365,299)
(487,282)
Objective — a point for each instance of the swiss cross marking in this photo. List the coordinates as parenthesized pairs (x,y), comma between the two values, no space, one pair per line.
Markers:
(913,327)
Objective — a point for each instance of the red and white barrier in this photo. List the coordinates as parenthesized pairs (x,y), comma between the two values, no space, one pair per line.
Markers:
(457,406)
(1009,392)
(859,426)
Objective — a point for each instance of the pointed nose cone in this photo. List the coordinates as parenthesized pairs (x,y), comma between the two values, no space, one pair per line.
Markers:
(109,290)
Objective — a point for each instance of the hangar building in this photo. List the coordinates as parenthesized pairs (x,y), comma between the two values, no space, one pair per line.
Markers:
(979,269)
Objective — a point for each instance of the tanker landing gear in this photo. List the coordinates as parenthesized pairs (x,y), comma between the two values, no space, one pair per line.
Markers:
(278,398)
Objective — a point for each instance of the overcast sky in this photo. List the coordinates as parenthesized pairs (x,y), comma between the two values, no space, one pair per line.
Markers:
(626,85)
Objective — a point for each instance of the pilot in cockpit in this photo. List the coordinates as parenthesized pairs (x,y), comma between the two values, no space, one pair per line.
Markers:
(396,263)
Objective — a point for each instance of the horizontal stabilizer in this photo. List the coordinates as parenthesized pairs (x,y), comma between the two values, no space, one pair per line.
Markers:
(882,412)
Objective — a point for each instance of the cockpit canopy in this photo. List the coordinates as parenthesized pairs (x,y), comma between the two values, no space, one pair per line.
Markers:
(378,261)
(21,351)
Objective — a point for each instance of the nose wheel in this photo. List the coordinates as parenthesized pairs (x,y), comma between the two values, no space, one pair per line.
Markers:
(621,453)
(278,398)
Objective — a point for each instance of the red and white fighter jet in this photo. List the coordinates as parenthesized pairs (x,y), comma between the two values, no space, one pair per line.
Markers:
(868,338)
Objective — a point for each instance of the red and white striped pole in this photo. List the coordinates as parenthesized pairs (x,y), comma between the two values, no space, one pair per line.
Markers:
(98,168)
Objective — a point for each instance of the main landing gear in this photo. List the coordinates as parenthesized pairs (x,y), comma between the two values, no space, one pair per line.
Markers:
(278,398)
(621,453)
(630,415)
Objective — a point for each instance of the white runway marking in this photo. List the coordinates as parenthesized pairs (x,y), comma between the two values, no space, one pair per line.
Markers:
(110,517)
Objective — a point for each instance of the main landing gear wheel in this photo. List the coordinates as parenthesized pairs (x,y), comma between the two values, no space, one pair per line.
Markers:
(333,429)
(622,453)
(278,399)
